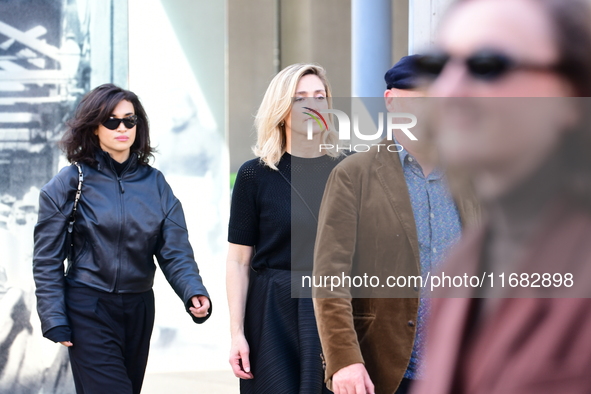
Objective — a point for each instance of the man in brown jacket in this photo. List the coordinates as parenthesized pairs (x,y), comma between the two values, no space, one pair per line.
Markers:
(389,213)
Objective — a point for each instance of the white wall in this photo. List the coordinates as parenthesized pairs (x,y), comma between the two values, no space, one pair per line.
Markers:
(424,16)
(171,71)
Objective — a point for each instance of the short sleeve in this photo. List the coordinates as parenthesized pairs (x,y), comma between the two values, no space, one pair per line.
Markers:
(244,216)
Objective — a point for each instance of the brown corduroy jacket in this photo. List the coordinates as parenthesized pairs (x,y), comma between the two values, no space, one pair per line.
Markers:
(366,225)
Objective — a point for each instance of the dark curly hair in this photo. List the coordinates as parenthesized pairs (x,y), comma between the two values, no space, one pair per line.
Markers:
(80,143)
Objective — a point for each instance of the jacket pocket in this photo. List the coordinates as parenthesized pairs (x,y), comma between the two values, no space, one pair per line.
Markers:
(363,324)
(363,307)
(78,255)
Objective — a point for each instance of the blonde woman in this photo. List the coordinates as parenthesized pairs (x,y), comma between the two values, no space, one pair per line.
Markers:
(275,344)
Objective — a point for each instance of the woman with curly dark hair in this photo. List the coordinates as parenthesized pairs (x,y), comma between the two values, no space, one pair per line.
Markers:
(110,213)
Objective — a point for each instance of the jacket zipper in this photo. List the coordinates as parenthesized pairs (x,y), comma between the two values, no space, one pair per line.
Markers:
(120,233)
(121,222)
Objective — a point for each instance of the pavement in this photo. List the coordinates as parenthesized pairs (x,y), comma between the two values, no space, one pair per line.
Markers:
(201,382)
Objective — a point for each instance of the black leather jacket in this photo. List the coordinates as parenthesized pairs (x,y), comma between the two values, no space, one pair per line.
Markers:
(121,223)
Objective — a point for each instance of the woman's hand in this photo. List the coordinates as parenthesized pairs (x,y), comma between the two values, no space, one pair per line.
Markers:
(239,358)
(237,276)
(200,306)
(67,343)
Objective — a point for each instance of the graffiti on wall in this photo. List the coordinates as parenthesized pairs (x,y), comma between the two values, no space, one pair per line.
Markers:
(48,61)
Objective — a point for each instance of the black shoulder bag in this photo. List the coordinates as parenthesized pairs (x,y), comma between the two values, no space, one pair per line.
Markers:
(72,219)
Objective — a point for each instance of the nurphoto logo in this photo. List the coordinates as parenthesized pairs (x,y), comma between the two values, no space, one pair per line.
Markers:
(392,123)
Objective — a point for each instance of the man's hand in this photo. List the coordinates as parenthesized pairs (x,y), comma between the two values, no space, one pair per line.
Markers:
(352,379)
(200,306)
(67,343)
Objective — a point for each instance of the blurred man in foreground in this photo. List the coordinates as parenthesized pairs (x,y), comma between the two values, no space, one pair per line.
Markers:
(530,164)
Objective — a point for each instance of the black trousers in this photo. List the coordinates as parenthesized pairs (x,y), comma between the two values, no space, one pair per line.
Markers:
(111,339)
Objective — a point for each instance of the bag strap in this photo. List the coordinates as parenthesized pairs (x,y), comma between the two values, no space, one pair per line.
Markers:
(299,195)
(78,194)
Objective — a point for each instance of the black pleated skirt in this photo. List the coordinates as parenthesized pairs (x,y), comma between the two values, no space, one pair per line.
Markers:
(283,338)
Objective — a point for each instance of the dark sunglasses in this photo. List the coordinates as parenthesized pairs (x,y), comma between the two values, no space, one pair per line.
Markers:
(113,123)
(484,65)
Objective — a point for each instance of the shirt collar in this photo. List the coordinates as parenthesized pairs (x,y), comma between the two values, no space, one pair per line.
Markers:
(437,172)
(402,154)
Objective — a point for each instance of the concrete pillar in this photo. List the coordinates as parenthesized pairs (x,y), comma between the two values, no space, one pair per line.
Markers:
(252,61)
(371,41)
(318,32)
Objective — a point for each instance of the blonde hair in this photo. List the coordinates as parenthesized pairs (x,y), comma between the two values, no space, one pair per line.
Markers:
(276,106)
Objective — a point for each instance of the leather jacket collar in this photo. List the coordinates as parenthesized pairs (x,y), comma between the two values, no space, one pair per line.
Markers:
(104,162)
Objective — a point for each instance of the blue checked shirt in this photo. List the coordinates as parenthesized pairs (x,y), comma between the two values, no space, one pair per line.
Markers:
(438,227)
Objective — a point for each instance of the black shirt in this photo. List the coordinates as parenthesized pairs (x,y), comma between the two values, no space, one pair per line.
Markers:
(266,208)
(119,167)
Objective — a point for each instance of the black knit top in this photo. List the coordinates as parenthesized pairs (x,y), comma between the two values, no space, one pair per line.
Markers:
(279,220)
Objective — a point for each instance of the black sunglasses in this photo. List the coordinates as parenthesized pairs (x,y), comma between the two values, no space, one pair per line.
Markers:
(484,65)
(113,123)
